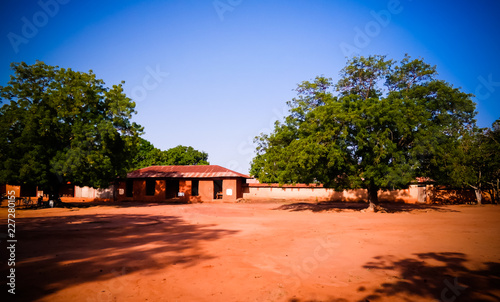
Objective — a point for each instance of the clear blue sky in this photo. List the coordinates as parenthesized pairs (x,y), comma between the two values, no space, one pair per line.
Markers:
(214,74)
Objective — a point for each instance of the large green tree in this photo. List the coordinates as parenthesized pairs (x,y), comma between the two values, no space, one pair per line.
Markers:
(58,125)
(379,127)
(148,155)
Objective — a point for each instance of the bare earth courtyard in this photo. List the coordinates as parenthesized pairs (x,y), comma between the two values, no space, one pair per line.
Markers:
(255,252)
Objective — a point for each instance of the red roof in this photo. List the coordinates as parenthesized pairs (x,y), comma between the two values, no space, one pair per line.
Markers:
(201,171)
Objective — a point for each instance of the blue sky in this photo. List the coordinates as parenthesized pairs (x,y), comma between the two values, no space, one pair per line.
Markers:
(214,74)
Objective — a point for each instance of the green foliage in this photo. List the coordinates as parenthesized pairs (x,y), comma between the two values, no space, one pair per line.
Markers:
(491,156)
(148,155)
(492,151)
(143,157)
(380,126)
(182,155)
(474,163)
(58,125)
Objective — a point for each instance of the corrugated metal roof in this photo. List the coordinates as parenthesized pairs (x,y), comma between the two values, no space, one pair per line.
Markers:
(201,171)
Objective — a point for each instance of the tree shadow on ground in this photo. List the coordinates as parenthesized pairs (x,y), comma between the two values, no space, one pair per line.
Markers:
(437,276)
(429,277)
(54,253)
(355,206)
(114,204)
(329,300)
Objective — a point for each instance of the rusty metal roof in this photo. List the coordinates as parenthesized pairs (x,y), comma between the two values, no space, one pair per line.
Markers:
(201,171)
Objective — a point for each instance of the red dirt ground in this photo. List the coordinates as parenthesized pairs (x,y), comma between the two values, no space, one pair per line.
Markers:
(255,252)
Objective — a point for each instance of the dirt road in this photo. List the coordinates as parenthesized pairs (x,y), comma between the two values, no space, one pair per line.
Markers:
(255,252)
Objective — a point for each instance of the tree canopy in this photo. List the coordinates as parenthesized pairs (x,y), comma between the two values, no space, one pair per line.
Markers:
(58,125)
(379,127)
(148,155)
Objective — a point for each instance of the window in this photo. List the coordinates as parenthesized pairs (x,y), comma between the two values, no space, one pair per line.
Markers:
(130,188)
(150,187)
(194,187)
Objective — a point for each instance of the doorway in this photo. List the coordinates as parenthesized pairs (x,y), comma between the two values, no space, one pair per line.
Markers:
(218,189)
(422,194)
(171,188)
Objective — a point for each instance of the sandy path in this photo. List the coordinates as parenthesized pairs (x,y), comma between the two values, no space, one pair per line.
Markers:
(256,252)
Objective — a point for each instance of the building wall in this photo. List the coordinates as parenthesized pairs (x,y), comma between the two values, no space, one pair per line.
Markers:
(409,195)
(121,191)
(414,194)
(231,189)
(440,195)
(185,189)
(206,189)
(67,190)
(20,191)
(88,192)
(239,188)
(139,190)
(16,189)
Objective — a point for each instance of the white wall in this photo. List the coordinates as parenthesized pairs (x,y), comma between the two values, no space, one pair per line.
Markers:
(88,192)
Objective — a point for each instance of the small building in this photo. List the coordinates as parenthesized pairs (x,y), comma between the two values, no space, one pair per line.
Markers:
(19,190)
(182,183)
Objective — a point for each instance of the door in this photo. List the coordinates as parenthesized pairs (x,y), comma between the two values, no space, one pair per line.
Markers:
(422,194)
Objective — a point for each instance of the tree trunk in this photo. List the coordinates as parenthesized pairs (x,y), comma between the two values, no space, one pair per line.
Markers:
(373,198)
(477,190)
(115,187)
(479,195)
(54,193)
(497,192)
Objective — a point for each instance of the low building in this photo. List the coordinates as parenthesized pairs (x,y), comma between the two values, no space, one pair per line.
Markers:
(317,193)
(205,183)
(19,191)
(182,183)
(420,192)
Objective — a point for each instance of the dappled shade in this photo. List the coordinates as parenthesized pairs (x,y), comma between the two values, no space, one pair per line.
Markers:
(439,276)
(354,206)
(98,247)
(428,277)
